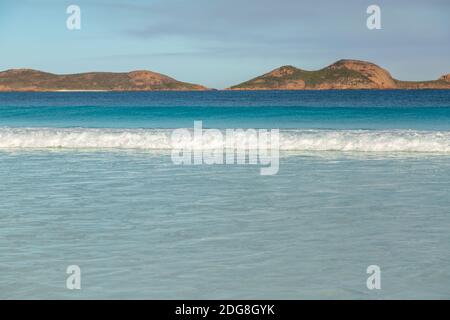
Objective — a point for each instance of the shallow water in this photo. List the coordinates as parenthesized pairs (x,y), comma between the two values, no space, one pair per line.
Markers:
(140,227)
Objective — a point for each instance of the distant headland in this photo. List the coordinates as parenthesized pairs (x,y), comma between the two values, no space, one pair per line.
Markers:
(33,80)
(341,75)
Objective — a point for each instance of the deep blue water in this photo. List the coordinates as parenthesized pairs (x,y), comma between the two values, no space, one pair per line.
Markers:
(328,98)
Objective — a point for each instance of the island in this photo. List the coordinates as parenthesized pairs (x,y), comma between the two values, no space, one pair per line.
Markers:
(341,75)
(34,80)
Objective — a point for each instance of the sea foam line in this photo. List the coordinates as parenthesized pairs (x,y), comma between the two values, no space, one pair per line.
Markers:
(290,140)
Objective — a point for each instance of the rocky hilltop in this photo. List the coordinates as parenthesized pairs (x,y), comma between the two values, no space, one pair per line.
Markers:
(33,80)
(343,74)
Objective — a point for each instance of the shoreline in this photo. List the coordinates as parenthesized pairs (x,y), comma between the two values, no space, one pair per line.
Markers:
(227,90)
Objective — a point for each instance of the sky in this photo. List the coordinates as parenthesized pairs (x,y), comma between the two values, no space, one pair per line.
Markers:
(219,43)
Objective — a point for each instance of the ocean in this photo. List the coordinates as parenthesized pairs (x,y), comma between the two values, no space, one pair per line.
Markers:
(87,179)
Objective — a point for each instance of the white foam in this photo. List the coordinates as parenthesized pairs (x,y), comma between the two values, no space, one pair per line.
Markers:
(367,140)
(290,140)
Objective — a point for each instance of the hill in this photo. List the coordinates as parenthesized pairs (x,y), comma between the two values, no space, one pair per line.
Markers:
(343,74)
(33,80)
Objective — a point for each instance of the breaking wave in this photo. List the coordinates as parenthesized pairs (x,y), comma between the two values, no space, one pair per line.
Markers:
(290,140)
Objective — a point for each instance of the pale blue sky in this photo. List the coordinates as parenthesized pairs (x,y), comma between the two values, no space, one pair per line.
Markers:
(223,42)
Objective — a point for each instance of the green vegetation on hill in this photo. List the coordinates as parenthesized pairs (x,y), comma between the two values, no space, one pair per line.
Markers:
(310,78)
(343,74)
(32,80)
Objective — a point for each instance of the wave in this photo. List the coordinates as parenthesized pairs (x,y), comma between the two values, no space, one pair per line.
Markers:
(289,140)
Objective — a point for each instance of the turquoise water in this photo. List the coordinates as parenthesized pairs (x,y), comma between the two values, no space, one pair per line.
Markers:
(87,179)
(422,110)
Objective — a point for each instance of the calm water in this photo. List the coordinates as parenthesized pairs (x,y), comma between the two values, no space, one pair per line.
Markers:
(87,179)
